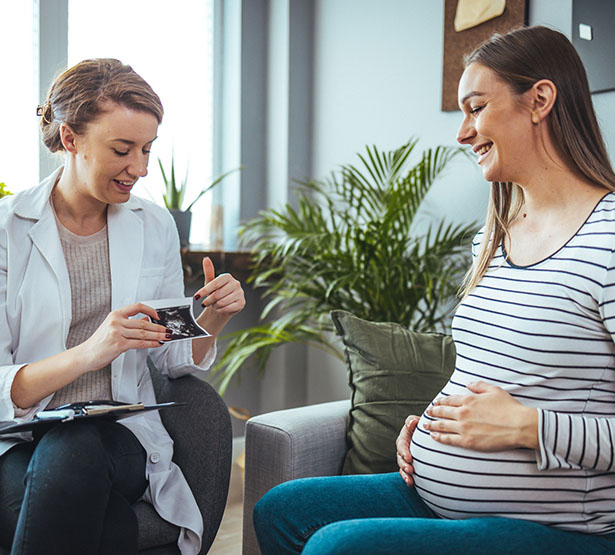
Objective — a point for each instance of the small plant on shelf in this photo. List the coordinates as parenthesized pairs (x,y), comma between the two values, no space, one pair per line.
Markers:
(174,196)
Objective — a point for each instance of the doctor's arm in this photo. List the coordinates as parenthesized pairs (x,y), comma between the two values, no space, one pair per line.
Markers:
(118,333)
(222,297)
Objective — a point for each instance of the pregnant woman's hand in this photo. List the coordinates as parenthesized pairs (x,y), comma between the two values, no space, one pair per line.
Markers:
(487,419)
(404,458)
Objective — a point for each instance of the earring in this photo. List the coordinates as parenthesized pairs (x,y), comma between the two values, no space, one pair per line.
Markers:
(535,119)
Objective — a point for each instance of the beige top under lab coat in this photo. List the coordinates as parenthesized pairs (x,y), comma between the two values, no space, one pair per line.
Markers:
(35,315)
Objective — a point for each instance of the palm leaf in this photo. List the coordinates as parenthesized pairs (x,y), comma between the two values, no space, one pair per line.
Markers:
(347,243)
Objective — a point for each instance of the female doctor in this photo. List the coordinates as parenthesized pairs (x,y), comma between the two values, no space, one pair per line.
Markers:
(78,254)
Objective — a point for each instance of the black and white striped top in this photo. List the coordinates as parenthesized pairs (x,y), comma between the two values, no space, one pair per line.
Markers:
(544,333)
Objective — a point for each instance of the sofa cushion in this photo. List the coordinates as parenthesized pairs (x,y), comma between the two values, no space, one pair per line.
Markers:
(392,372)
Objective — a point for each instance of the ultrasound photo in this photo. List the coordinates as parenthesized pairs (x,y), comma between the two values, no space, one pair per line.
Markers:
(177,315)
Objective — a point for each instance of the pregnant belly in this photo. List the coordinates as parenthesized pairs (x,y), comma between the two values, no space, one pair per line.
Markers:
(459,483)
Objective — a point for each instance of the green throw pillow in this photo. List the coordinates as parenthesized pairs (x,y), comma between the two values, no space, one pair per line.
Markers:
(392,372)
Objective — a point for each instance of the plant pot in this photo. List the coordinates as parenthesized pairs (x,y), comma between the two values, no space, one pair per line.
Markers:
(182,221)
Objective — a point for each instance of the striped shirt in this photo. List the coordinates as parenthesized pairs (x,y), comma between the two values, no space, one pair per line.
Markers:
(545,334)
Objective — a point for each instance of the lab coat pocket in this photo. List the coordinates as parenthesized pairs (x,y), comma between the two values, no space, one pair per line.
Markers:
(150,282)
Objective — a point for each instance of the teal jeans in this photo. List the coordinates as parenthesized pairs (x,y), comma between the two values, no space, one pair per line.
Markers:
(379,514)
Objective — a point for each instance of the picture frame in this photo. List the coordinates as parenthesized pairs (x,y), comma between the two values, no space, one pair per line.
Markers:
(458,44)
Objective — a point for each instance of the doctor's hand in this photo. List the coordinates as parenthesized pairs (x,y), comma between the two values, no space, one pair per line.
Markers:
(404,458)
(222,297)
(119,332)
(487,419)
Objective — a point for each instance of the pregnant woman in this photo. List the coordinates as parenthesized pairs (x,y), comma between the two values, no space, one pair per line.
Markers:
(516,454)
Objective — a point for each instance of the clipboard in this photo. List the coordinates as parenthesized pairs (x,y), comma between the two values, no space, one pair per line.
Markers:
(106,409)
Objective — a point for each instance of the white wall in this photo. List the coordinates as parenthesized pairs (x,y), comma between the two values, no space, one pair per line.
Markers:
(377,80)
(378,69)
(558,14)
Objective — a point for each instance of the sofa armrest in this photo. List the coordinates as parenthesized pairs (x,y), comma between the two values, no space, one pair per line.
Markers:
(289,444)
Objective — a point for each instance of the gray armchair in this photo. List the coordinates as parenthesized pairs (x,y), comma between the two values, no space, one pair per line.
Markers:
(290,444)
(202,435)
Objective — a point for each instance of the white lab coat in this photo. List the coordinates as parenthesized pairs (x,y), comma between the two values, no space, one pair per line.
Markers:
(35,315)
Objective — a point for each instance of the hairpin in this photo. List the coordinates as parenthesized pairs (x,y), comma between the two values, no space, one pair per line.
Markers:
(40,111)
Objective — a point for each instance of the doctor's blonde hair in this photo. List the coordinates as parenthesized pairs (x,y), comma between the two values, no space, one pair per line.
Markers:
(79,95)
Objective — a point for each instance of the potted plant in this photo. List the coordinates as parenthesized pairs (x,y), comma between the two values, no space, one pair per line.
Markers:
(350,244)
(174,195)
(4,191)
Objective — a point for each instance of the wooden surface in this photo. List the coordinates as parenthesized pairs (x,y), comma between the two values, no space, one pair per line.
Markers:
(228,539)
(458,45)
(235,263)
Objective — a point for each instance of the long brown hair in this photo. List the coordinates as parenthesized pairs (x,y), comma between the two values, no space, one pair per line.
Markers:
(521,58)
(78,97)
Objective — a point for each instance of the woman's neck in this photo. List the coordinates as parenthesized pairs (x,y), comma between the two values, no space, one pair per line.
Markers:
(551,182)
(558,192)
(78,212)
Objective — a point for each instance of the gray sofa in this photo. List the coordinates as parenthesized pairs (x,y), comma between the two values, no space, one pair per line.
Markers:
(289,444)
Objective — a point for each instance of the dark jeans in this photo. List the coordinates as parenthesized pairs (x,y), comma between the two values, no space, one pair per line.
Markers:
(378,514)
(71,490)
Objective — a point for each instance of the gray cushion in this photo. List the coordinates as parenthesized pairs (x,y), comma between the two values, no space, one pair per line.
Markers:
(202,437)
(392,372)
(153,530)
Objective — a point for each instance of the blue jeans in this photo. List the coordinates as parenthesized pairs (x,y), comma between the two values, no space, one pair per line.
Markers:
(379,514)
(70,491)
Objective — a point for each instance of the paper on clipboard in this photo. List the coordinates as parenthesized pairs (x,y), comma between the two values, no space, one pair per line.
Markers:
(109,410)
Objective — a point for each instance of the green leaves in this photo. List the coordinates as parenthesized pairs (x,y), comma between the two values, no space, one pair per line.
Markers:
(174,192)
(4,191)
(349,243)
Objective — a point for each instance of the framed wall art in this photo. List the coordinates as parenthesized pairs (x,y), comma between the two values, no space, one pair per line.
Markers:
(467,23)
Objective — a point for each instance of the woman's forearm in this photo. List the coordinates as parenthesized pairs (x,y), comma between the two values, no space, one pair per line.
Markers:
(214,324)
(528,428)
(118,333)
(35,381)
